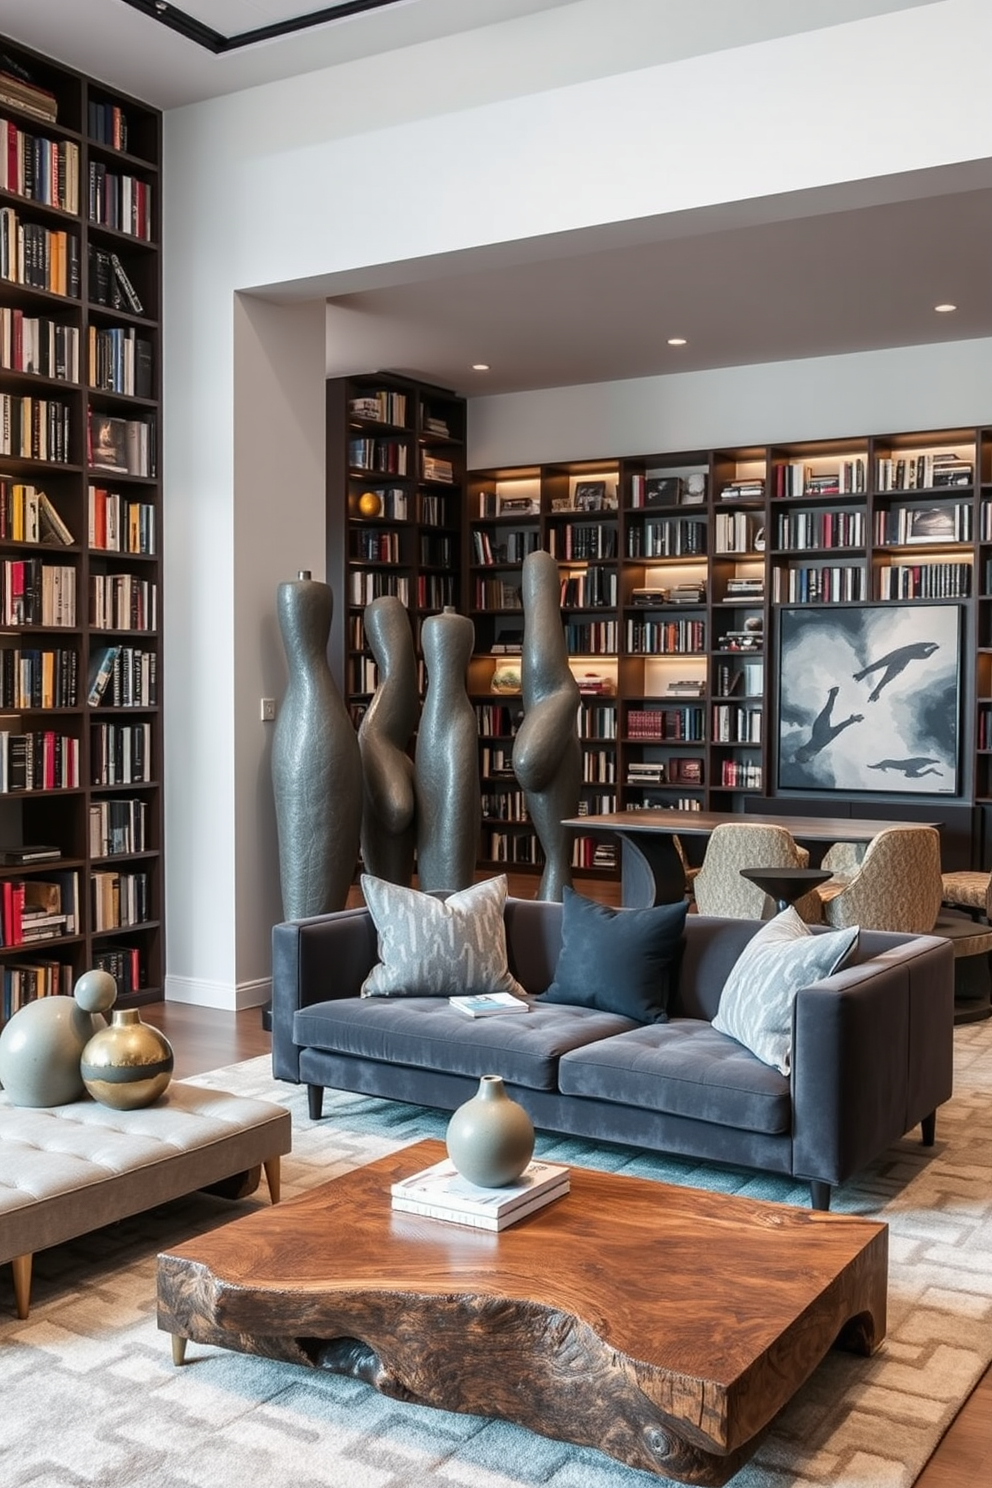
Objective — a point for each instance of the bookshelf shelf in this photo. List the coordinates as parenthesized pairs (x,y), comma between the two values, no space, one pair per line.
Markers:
(74,302)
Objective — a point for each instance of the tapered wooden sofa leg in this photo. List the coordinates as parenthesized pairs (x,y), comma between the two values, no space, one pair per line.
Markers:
(819,1194)
(315,1101)
(928,1129)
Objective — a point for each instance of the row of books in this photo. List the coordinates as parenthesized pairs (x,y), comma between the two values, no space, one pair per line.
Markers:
(733,724)
(34,678)
(591,637)
(842,583)
(803,530)
(39,760)
(365,585)
(520,848)
(120,201)
(665,637)
(119,361)
(22,982)
(34,428)
(37,256)
(381,407)
(119,899)
(675,537)
(34,909)
(748,678)
(597,721)
(109,283)
(123,602)
(672,724)
(121,754)
(496,594)
(125,675)
(39,169)
(34,343)
(33,592)
(906,525)
(107,124)
(924,581)
(127,446)
(125,964)
(594,853)
(386,455)
(28,515)
(923,472)
(437,551)
(375,545)
(434,591)
(736,532)
(117,826)
(505,805)
(509,547)
(576,542)
(18,90)
(591,588)
(740,775)
(363,674)
(599,767)
(440,1192)
(119,524)
(793,478)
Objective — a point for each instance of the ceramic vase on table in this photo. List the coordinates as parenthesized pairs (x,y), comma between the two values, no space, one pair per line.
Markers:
(490,1139)
(449,795)
(129,1064)
(316,764)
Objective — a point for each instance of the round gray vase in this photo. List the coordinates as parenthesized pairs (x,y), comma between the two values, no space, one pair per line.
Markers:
(449,796)
(547,756)
(316,764)
(389,831)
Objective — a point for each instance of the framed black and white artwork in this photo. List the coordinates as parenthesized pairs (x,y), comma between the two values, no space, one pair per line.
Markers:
(869,698)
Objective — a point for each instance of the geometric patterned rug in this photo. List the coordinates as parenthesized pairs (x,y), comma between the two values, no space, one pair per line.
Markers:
(90,1398)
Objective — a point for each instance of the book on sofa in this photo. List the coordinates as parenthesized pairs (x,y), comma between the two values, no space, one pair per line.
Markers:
(440,1192)
(485,1004)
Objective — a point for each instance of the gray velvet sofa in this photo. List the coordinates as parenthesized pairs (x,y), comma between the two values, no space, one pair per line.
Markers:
(871,1058)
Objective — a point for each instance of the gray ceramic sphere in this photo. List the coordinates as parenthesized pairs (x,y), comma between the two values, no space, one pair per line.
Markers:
(39,1052)
(490,1139)
(95,991)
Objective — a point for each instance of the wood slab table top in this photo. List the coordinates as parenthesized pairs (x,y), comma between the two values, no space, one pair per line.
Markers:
(665,1326)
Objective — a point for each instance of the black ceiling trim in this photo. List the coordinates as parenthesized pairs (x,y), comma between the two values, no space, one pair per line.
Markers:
(204,36)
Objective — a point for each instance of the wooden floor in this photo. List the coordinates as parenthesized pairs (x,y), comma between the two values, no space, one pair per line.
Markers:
(204,1039)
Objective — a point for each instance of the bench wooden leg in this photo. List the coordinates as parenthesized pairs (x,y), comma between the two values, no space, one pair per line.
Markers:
(178,1349)
(21,1267)
(272,1176)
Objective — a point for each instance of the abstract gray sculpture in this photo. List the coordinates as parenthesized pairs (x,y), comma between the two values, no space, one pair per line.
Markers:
(449,797)
(389,832)
(547,757)
(316,764)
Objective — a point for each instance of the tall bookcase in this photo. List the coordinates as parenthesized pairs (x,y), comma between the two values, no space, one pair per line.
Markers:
(677,570)
(80,534)
(395,495)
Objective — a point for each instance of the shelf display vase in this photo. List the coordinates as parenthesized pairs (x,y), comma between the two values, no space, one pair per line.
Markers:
(389,831)
(41,1045)
(316,764)
(127,1065)
(490,1139)
(449,795)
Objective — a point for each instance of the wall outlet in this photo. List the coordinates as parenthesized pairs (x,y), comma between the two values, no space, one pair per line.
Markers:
(267,710)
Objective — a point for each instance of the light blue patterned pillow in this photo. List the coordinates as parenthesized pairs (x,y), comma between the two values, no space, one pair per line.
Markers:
(758,997)
(438,947)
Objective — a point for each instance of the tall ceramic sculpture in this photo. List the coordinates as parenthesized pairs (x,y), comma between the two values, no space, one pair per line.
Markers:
(449,797)
(389,805)
(316,764)
(547,758)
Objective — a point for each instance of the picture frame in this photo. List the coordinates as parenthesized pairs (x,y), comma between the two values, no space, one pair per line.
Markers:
(870,698)
(693,489)
(590,496)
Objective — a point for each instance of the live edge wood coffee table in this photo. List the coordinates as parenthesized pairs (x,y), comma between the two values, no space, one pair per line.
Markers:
(665,1326)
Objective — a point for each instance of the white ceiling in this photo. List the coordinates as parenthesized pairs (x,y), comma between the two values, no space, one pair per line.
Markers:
(828,272)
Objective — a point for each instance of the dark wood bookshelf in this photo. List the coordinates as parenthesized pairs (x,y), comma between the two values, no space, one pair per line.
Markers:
(93,305)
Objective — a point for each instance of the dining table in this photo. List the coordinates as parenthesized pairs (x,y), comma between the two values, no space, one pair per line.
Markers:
(652,867)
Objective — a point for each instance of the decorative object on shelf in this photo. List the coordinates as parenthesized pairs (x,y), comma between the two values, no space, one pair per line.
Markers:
(41,1045)
(490,1139)
(446,775)
(547,756)
(316,762)
(369,504)
(389,831)
(506,677)
(129,1064)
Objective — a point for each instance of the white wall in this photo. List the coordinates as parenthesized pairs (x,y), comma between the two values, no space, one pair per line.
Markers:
(345,173)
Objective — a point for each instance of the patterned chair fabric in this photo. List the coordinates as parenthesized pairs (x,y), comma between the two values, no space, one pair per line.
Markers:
(898,886)
(718,887)
(843,859)
(969,890)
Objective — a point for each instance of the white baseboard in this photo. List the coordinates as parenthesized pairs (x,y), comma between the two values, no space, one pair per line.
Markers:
(232,999)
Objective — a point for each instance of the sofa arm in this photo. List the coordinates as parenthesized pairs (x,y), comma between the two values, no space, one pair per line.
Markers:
(315,960)
(872,1056)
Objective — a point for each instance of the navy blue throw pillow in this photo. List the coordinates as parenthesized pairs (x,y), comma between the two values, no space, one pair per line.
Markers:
(618,960)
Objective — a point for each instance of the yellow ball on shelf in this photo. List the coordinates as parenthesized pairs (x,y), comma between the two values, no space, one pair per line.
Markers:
(369,504)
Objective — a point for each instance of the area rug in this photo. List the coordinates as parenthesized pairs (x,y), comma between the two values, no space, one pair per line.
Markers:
(91,1399)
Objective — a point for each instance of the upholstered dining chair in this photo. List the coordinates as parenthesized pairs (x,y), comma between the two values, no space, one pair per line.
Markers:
(718,887)
(969,890)
(897,885)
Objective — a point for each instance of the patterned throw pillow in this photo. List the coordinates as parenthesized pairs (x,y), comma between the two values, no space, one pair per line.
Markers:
(438,947)
(758,997)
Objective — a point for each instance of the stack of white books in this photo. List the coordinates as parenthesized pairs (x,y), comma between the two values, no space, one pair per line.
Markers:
(485,1004)
(440,1192)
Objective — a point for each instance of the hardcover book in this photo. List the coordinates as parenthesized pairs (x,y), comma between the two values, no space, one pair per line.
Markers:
(486,1004)
(442,1193)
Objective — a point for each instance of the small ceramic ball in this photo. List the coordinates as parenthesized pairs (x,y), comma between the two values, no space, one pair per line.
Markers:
(369,504)
(95,991)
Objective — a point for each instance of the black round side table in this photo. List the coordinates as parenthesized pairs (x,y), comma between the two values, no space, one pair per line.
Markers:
(786,885)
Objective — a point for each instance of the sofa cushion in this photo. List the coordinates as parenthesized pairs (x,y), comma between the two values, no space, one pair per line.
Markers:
(618,960)
(431,947)
(427,1033)
(758,996)
(681,1068)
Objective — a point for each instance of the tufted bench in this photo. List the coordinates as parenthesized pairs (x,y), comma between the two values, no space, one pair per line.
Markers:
(66,1170)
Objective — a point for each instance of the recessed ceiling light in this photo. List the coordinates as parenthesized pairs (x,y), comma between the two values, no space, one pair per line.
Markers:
(676,341)
(944,309)
(480,366)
